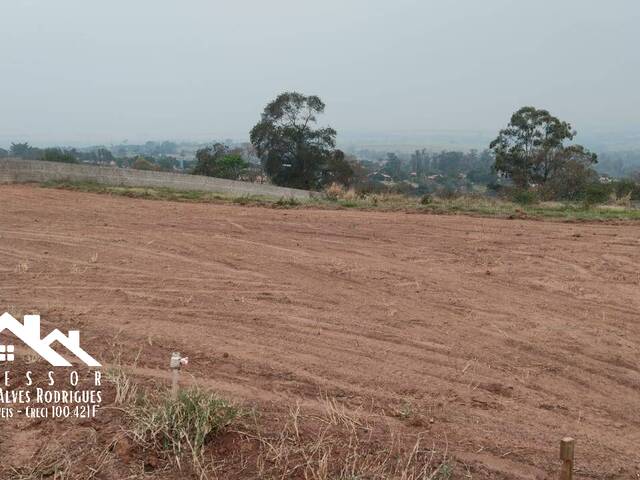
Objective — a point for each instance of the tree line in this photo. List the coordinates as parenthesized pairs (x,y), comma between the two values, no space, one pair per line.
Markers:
(533,155)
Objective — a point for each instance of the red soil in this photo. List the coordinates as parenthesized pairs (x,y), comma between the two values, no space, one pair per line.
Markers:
(509,334)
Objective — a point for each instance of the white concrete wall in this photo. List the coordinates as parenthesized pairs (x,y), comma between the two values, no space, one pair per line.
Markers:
(14,170)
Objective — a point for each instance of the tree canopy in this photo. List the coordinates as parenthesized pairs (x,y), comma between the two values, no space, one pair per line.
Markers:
(293,151)
(572,174)
(219,161)
(58,155)
(531,149)
(24,150)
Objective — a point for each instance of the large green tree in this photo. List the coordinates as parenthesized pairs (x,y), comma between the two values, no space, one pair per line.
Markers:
(294,152)
(531,149)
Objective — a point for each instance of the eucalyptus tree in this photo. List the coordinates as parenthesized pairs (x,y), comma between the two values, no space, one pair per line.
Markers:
(293,150)
(531,149)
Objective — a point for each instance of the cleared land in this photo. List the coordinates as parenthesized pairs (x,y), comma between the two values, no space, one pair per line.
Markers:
(495,337)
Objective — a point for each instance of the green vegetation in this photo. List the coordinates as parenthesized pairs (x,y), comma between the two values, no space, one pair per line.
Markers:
(24,150)
(58,155)
(530,161)
(523,196)
(480,205)
(595,194)
(95,156)
(293,153)
(444,472)
(287,202)
(570,211)
(530,170)
(183,424)
(219,161)
(531,150)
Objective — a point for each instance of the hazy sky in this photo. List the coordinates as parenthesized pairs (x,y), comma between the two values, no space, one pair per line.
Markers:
(78,71)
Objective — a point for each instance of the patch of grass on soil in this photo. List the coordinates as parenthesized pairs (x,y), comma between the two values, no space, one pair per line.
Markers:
(181,424)
(477,205)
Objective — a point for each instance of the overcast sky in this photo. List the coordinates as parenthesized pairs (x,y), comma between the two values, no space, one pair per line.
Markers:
(83,72)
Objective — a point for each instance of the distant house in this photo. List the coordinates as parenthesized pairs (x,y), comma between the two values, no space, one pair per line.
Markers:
(379,177)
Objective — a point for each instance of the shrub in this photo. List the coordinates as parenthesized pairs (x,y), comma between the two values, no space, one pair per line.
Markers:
(141,163)
(448,193)
(402,188)
(181,424)
(219,161)
(286,202)
(523,196)
(352,195)
(426,199)
(570,181)
(244,200)
(334,191)
(627,188)
(595,194)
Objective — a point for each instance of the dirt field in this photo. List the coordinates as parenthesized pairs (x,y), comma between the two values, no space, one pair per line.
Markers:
(506,335)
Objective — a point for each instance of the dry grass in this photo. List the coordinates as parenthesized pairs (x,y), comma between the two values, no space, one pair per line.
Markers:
(186,422)
(326,443)
(180,428)
(336,443)
(330,442)
(22,267)
(126,391)
(52,462)
(337,196)
(85,460)
(334,191)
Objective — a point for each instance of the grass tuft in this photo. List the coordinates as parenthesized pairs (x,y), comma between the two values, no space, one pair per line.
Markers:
(287,202)
(125,389)
(183,424)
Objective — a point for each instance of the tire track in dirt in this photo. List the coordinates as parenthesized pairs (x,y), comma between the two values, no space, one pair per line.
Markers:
(509,334)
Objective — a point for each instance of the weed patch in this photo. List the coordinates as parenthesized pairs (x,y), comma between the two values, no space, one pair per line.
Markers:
(183,424)
(287,202)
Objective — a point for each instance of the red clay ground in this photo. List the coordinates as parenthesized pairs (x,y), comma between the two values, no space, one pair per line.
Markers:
(508,334)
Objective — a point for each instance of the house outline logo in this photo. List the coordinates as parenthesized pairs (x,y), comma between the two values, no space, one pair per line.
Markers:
(29,333)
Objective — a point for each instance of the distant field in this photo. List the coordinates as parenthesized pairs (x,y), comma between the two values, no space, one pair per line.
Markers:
(488,339)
